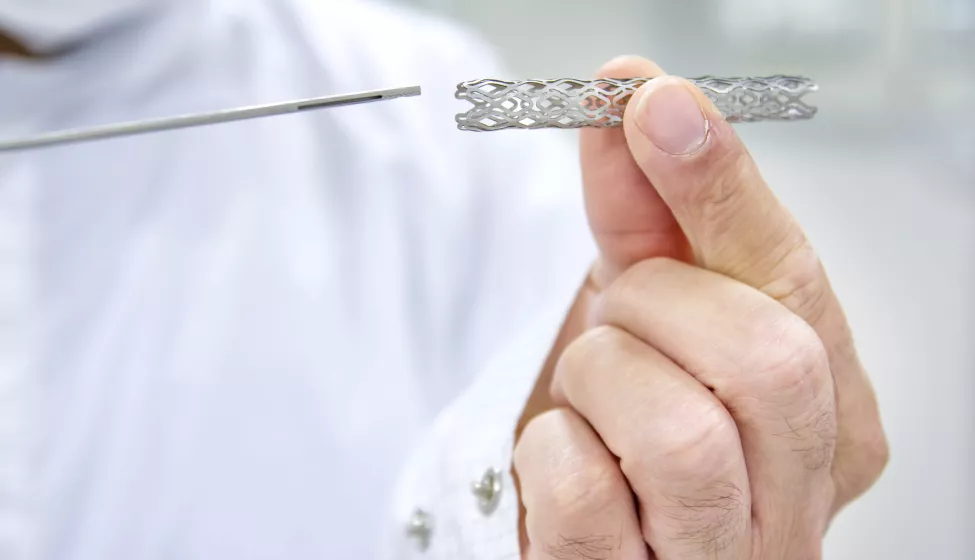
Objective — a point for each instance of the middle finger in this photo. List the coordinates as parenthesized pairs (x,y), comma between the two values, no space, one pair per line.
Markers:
(763,362)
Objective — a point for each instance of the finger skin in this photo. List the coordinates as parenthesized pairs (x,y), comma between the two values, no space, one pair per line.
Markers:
(766,365)
(734,222)
(629,220)
(577,502)
(677,445)
(737,227)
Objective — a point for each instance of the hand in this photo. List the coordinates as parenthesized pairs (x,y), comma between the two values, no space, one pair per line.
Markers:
(716,409)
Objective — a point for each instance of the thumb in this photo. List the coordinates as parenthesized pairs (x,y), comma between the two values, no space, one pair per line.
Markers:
(629,220)
(733,221)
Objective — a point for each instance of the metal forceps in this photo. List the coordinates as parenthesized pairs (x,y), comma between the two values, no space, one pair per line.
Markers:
(202,119)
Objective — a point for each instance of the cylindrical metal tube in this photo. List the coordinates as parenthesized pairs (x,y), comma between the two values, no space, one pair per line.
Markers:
(571,103)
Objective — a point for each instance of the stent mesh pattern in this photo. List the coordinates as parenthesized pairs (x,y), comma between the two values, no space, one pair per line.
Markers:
(571,103)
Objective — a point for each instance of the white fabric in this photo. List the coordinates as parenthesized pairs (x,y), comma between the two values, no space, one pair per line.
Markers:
(475,433)
(223,343)
(45,25)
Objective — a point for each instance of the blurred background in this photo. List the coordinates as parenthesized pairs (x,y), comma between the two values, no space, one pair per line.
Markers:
(883,179)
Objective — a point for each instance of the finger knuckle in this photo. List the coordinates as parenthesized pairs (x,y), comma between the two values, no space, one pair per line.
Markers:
(814,439)
(789,373)
(588,346)
(583,488)
(706,521)
(698,438)
(625,298)
(789,363)
(800,284)
(629,287)
(559,479)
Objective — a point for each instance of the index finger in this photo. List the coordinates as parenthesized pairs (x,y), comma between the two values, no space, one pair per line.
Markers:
(629,221)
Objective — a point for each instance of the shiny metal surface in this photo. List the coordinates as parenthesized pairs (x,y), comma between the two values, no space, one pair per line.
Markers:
(573,103)
(204,119)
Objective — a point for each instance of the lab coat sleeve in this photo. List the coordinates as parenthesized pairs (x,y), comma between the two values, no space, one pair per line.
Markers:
(533,249)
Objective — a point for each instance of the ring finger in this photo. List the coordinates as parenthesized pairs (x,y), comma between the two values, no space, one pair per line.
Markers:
(577,502)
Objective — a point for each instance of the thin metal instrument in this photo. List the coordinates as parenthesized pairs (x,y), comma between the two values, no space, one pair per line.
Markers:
(203,119)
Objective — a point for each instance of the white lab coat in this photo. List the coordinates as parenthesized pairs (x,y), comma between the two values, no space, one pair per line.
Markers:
(223,343)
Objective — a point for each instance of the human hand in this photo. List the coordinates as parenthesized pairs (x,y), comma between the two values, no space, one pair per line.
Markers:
(717,408)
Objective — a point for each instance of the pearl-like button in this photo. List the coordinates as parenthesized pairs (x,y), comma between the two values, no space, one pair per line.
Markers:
(488,491)
(420,529)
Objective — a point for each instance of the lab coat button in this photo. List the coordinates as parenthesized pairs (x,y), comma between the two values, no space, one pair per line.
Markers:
(488,491)
(420,529)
